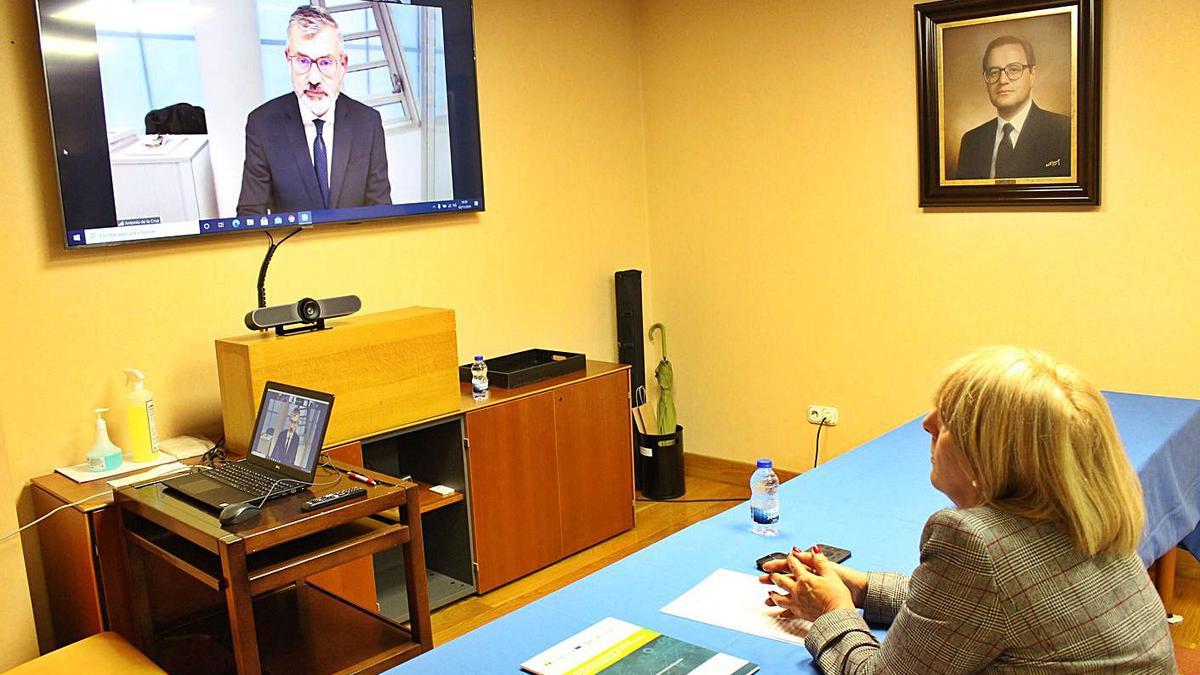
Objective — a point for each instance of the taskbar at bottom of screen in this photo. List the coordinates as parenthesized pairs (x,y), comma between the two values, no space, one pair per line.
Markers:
(146,229)
(307,218)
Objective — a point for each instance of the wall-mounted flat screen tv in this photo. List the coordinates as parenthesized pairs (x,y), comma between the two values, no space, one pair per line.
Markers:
(191,118)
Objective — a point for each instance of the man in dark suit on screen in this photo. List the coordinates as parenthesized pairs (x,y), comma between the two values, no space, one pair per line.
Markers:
(287,442)
(315,148)
(1023,141)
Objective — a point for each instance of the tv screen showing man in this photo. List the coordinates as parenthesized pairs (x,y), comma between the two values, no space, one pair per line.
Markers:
(314,147)
(196,117)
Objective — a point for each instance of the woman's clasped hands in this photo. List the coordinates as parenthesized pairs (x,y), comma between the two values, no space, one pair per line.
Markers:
(811,585)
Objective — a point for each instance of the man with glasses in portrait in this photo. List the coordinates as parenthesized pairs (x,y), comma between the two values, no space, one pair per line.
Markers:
(1022,141)
(314,148)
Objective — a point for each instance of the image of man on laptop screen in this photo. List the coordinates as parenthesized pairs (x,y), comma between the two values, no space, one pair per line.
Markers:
(297,420)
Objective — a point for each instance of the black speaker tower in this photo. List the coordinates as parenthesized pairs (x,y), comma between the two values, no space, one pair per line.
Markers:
(631,343)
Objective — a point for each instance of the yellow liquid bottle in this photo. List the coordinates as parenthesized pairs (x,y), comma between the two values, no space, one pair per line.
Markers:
(143,434)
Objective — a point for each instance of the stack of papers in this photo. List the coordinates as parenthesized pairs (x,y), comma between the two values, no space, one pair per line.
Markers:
(156,472)
(80,473)
(170,450)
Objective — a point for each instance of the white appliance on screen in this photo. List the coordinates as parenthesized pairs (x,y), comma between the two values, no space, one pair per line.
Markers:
(171,180)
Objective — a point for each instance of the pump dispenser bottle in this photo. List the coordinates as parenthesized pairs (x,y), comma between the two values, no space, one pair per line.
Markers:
(143,435)
(104,456)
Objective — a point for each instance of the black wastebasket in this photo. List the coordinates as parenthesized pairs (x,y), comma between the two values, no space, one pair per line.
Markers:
(661,457)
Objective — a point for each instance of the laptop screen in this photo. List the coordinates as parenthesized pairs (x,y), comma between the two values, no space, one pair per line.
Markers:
(290,428)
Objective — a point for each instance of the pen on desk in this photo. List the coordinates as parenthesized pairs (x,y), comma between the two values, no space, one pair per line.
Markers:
(354,475)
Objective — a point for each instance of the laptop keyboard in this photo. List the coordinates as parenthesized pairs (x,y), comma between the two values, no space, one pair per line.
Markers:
(235,475)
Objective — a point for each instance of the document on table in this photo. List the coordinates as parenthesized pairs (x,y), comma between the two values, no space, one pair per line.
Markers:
(734,600)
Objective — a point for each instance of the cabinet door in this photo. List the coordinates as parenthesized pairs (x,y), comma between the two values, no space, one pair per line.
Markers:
(595,460)
(514,494)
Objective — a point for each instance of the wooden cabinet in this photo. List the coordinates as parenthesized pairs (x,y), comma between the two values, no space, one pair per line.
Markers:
(83,557)
(551,474)
(595,463)
(514,489)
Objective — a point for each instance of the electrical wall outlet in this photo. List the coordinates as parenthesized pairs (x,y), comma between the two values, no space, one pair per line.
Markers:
(827,412)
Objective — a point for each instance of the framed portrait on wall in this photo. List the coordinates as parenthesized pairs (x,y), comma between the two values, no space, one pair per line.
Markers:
(1008,95)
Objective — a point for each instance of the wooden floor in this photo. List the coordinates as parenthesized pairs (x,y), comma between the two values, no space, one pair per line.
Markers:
(1187,601)
(654,521)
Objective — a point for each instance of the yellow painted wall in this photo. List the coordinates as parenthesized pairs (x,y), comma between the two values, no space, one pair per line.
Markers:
(792,265)
(776,152)
(564,176)
(17,640)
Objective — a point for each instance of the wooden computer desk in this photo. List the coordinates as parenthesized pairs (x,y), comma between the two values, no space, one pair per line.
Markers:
(548,472)
(260,568)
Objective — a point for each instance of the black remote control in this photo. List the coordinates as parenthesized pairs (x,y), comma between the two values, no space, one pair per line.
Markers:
(333,498)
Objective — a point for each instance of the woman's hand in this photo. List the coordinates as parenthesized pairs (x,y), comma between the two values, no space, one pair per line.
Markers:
(810,591)
(855,581)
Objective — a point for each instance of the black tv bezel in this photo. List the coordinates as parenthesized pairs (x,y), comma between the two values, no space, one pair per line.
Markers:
(63,74)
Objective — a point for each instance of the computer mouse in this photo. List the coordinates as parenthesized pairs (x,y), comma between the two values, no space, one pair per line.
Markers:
(238,513)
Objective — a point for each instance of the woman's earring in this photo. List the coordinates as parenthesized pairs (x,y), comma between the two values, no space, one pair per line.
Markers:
(974,484)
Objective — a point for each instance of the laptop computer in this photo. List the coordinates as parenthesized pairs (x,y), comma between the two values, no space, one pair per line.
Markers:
(284,451)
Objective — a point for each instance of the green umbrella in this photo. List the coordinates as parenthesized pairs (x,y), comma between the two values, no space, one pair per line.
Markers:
(666,379)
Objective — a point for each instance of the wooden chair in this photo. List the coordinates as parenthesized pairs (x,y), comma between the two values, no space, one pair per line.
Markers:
(101,654)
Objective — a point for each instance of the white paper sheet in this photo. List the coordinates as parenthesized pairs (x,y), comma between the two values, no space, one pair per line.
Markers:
(735,600)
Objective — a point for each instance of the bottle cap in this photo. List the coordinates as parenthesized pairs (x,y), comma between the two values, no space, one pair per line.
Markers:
(764,464)
(478,358)
(134,378)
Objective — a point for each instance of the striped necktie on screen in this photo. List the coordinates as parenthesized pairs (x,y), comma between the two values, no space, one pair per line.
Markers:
(321,164)
(1004,154)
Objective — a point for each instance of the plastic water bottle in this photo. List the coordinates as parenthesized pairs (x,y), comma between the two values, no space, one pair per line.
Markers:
(479,383)
(764,500)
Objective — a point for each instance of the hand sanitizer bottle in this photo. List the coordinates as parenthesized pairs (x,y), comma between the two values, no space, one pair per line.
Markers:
(143,434)
(104,456)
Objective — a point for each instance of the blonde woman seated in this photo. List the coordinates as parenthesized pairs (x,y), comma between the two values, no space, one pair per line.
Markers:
(1034,570)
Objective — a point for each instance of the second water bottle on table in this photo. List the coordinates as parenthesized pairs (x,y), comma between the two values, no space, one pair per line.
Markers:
(479,379)
(764,500)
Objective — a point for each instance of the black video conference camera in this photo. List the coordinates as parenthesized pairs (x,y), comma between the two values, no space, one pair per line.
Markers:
(311,313)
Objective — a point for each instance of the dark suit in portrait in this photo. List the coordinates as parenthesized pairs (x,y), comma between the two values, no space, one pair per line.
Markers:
(285,448)
(1043,148)
(278,175)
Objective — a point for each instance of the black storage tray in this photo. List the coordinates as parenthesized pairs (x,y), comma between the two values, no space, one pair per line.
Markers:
(532,365)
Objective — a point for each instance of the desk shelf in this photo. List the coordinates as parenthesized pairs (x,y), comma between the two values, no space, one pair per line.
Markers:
(275,567)
(302,629)
(430,501)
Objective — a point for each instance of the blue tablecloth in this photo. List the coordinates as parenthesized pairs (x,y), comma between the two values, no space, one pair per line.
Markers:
(873,501)
(1162,437)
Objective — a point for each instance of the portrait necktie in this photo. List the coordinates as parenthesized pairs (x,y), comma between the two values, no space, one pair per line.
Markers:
(321,165)
(1004,154)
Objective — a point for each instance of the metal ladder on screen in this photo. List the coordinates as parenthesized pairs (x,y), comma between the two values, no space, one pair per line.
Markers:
(393,54)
